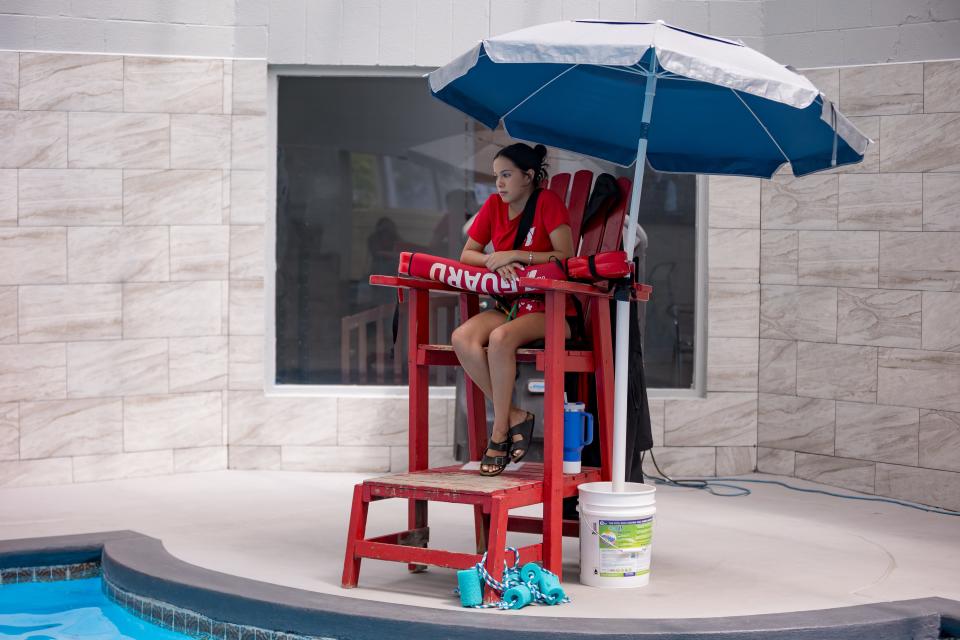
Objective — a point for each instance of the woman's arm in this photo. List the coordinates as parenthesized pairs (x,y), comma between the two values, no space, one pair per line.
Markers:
(473,254)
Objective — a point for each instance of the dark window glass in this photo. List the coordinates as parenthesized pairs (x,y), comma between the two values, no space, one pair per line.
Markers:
(370,167)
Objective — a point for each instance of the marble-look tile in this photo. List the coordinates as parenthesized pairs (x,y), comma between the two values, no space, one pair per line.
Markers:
(249,142)
(837,371)
(258,420)
(940,440)
(246,362)
(246,308)
(9,431)
(734,461)
(254,458)
(732,364)
(250,87)
(32,372)
(117,368)
(733,310)
(856,475)
(778,366)
(198,364)
(920,143)
(35,473)
(798,313)
(120,140)
(199,252)
(941,86)
(879,317)
(810,202)
(225,197)
(870,127)
(721,419)
(68,312)
(116,466)
(33,139)
(734,202)
(779,255)
(71,427)
(118,254)
(941,202)
(70,82)
(33,256)
(776,461)
(8,315)
(827,81)
(173,85)
(171,197)
(171,309)
(926,486)
(887,202)
(383,421)
(199,459)
(246,252)
(51,197)
(199,142)
(327,459)
(839,258)
(797,424)
(941,321)
(658,417)
(8,197)
(248,197)
(734,255)
(878,432)
(924,379)
(171,422)
(684,462)
(9,80)
(228,86)
(928,261)
(882,89)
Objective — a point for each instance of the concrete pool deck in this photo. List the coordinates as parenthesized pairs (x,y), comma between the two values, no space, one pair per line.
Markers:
(775,551)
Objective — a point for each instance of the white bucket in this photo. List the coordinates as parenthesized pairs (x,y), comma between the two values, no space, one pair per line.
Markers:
(616,534)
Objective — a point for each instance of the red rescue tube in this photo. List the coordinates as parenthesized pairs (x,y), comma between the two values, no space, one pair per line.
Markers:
(607,265)
(469,278)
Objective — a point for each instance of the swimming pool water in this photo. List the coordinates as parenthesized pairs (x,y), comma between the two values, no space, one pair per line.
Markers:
(69,610)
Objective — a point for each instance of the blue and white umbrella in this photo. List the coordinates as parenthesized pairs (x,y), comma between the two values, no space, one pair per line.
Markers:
(684,101)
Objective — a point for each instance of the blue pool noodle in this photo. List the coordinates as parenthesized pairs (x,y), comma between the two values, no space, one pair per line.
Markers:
(471,589)
(532,571)
(518,597)
(554,594)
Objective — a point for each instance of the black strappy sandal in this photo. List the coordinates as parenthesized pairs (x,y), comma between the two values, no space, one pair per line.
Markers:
(525,431)
(499,463)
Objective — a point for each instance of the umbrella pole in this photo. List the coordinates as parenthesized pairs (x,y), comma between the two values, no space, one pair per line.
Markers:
(621,368)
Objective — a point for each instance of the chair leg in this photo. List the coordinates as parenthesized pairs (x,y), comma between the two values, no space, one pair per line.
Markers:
(481,524)
(496,547)
(355,532)
(417,519)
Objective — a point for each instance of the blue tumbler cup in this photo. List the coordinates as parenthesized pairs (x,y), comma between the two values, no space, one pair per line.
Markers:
(577,432)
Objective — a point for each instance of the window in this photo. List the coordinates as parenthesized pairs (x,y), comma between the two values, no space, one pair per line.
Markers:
(368,167)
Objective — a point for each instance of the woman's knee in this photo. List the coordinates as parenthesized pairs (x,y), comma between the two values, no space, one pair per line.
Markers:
(502,341)
(464,339)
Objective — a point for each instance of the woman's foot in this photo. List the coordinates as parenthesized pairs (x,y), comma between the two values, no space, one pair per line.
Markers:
(521,433)
(496,458)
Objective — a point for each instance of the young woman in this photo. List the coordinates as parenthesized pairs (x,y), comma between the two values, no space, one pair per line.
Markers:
(519,170)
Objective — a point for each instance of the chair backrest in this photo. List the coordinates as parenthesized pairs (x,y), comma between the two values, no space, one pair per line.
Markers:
(602,233)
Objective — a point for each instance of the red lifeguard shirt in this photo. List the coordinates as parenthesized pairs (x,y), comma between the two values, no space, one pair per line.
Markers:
(493,223)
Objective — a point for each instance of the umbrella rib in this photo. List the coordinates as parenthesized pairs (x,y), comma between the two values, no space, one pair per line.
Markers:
(542,87)
(763,126)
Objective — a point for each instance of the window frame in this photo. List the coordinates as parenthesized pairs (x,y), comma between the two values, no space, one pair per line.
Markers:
(273,389)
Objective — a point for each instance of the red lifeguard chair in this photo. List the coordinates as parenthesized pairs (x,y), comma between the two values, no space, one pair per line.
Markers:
(534,483)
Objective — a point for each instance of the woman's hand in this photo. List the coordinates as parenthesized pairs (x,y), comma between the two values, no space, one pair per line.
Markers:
(508,271)
(499,259)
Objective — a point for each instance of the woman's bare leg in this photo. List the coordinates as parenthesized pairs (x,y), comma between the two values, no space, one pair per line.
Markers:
(502,358)
(469,339)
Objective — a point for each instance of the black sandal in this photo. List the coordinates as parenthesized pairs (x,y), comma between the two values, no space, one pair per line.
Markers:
(499,463)
(525,431)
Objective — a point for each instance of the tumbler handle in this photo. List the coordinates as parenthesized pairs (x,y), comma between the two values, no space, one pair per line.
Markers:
(589,424)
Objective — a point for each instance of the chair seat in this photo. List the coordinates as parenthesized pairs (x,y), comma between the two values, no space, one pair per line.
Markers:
(443,355)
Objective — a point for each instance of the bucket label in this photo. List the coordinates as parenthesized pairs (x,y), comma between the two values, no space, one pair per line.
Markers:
(625,547)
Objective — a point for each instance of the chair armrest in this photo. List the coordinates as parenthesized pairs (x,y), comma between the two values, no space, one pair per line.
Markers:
(403,282)
(566,286)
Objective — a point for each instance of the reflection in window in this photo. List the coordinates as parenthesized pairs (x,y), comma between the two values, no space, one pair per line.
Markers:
(370,167)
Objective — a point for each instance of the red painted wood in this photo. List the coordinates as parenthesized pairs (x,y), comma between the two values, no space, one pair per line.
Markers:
(355,532)
(559,185)
(579,194)
(553,432)
(532,524)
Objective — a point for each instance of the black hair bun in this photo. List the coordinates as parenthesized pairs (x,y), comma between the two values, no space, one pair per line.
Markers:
(541,151)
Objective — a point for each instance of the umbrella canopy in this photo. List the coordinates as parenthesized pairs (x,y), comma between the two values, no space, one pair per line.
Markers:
(684,101)
(721,107)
